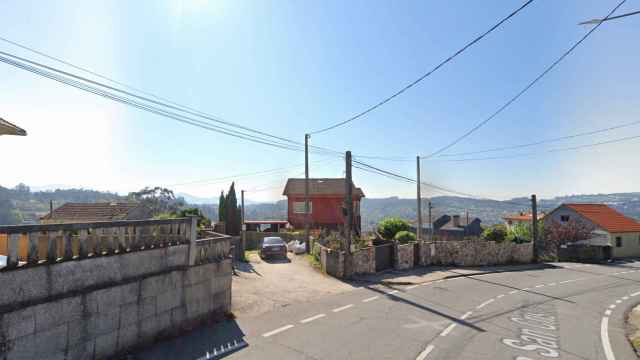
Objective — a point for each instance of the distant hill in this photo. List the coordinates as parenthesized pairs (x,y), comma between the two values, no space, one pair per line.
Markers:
(21,205)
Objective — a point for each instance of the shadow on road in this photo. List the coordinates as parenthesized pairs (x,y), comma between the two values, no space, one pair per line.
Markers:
(216,340)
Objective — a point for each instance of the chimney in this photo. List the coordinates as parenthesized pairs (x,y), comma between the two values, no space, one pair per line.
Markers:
(456,220)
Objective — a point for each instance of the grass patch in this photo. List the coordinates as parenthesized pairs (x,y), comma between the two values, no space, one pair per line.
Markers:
(247,255)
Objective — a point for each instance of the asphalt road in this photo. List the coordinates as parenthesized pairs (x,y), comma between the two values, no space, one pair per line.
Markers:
(565,311)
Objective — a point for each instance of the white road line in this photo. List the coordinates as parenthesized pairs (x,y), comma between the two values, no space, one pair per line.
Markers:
(412,287)
(625,298)
(500,296)
(539,286)
(604,335)
(466,315)
(612,306)
(513,292)
(370,299)
(564,282)
(392,292)
(485,304)
(635,294)
(618,301)
(552,284)
(446,331)
(309,319)
(607,312)
(278,330)
(425,352)
(342,308)
(525,289)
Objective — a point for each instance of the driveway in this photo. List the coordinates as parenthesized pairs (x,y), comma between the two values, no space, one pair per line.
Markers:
(261,286)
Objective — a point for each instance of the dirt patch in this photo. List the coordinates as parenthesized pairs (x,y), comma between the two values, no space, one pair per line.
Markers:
(264,285)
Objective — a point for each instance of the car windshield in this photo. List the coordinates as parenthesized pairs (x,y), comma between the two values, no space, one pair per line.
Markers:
(273,241)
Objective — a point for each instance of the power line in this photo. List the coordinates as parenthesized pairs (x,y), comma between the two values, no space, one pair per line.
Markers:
(597,21)
(162,101)
(413,83)
(545,141)
(524,90)
(142,106)
(579,147)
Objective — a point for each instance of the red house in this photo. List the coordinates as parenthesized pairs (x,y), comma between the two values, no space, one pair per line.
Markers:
(326,200)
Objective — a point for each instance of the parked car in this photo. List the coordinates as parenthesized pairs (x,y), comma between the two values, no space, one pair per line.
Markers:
(273,246)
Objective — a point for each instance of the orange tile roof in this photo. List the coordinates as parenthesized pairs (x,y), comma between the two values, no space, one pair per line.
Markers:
(606,217)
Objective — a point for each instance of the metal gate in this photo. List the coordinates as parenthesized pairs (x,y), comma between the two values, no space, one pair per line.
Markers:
(384,256)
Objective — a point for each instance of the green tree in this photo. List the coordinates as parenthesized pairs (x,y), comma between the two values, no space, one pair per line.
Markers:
(404,236)
(497,233)
(221,206)
(231,212)
(203,221)
(159,200)
(389,227)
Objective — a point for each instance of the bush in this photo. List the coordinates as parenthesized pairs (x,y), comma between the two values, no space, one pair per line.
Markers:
(405,236)
(388,228)
(497,233)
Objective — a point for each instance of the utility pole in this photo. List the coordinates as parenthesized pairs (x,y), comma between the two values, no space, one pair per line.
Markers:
(243,239)
(348,202)
(430,222)
(306,193)
(51,209)
(419,230)
(534,230)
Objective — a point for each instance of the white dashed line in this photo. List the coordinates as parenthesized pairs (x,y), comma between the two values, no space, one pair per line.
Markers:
(612,306)
(312,318)
(412,287)
(513,292)
(446,331)
(342,308)
(466,315)
(625,298)
(539,286)
(618,301)
(500,296)
(552,284)
(485,304)
(392,292)
(635,294)
(564,282)
(370,299)
(526,289)
(278,330)
(425,352)
(607,312)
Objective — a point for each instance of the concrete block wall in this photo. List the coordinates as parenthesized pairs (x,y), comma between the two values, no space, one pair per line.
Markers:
(364,261)
(95,308)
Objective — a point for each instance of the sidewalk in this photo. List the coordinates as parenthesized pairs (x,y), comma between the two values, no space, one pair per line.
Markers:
(421,275)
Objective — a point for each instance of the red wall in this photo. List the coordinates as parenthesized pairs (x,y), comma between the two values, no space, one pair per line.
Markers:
(325,212)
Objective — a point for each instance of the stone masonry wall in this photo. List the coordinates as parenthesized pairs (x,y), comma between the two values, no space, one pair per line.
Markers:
(474,253)
(97,307)
(364,261)
(403,258)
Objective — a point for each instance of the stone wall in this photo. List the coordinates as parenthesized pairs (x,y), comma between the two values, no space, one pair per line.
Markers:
(332,262)
(96,307)
(403,257)
(474,253)
(364,261)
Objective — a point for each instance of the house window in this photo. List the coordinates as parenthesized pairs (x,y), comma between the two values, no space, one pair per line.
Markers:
(618,241)
(298,207)
(564,218)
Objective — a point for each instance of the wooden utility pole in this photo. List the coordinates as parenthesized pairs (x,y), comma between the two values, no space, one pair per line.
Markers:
(306,194)
(419,229)
(243,238)
(348,224)
(534,231)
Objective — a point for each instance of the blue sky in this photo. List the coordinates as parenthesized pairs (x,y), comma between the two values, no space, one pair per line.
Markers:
(288,67)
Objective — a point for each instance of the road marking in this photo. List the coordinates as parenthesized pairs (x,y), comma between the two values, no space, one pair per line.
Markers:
(635,294)
(446,331)
(612,306)
(309,319)
(370,299)
(466,315)
(539,286)
(607,312)
(552,284)
(604,335)
(625,298)
(278,330)
(513,292)
(526,289)
(425,352)
(412,287)
(618,301)
(500,296)
(564,282)
(342,308)
(485,304)
(392,292)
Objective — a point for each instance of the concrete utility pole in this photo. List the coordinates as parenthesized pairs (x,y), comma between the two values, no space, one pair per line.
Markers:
(243,238)
(348,202)
(419,229)
(430,222)
(534,230)
(306,193)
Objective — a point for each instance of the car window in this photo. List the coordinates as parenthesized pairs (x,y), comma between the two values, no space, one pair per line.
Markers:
(272,241)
